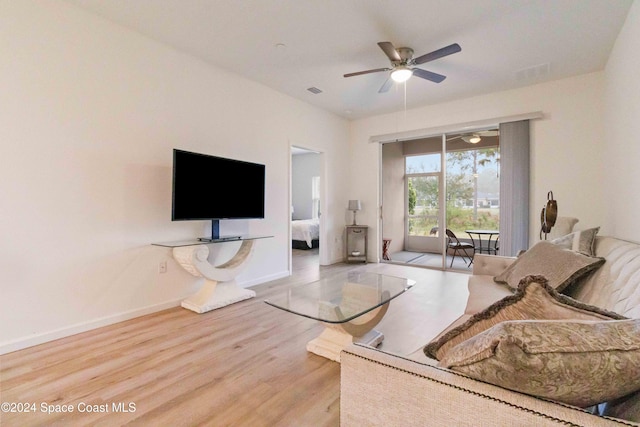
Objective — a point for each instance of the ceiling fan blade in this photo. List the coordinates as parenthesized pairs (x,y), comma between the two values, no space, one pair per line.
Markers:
(386,86)
(428,75)
(377,70)
(390,51)
(436,54)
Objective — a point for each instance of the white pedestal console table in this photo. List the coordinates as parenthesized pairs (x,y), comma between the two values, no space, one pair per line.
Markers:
(218,287)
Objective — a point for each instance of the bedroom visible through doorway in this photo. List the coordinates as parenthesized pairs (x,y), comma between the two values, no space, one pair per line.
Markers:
(305,206)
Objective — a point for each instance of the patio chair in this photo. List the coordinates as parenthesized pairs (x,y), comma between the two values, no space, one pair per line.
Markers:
(496,246)
(457,246)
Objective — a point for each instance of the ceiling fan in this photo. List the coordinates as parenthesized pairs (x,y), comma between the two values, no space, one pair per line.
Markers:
(402,64)
(474,137)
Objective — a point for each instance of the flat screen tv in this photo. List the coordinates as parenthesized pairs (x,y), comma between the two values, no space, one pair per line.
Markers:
(212,188)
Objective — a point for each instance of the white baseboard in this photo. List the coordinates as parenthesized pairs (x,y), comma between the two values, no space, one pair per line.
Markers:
(32,340)
(41,338)
(337,260)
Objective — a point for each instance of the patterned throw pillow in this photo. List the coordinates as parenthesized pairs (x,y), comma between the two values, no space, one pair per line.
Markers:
(581,363)
(583,241)
(562,267)
(533,300)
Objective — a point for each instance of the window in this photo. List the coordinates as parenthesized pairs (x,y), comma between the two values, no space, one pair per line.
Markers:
(422,194)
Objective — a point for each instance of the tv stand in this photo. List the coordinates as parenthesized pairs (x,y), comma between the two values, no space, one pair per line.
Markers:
(218,287)
(219,239)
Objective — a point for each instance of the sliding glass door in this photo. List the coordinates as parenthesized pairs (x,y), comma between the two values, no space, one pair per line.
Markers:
(473,188)
(473,198)
(448,182)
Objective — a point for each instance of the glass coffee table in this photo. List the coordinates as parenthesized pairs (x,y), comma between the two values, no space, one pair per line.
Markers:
(349,304)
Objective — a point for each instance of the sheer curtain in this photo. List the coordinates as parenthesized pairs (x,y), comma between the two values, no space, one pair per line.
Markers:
(514,187)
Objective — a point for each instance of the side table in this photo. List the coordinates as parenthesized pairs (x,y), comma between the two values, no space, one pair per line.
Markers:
(357,243)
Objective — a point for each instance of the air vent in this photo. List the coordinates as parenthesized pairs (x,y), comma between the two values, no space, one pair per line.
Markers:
(537,72)
(314,90)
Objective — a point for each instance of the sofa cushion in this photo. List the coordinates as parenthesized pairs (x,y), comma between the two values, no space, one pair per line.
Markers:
(616,285)
(483,292)
(582,241)
(580,363)
(490,265)
(562,267)
(533,300)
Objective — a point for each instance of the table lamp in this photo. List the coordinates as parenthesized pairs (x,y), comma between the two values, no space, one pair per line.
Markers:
(354,205)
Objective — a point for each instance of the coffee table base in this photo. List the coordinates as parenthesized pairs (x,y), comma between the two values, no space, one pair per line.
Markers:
(349,309)
(332,341)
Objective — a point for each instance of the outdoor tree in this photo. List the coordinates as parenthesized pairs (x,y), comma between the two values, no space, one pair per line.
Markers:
(465,169)
(467,162)
(413,196)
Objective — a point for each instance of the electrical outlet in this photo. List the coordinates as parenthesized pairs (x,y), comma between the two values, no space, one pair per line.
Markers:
(162,267)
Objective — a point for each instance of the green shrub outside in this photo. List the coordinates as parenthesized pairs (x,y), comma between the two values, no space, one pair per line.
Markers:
(459,220)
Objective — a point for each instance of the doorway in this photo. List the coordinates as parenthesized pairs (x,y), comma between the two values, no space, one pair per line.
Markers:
(430,185)
(305,211)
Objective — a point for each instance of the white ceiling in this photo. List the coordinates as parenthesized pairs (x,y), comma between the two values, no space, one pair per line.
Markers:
(324,39)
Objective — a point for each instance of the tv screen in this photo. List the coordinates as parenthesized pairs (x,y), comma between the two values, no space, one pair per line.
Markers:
(210,188)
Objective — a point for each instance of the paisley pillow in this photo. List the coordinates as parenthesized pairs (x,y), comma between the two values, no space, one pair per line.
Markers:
(534,300)
(581,363)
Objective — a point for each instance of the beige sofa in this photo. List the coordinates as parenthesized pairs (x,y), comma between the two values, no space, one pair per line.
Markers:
(382,389)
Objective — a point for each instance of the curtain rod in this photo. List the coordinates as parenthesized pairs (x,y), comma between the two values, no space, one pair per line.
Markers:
(456,127)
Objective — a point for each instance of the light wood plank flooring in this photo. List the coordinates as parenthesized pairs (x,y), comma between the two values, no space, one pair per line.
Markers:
(242,365)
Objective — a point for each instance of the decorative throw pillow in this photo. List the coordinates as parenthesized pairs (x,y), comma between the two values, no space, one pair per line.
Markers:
(562,267)
(563,226)
(580,363)
(533,300)
(583,241)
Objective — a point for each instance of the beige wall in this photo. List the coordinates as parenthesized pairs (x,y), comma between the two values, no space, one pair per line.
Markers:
(621,160)
(90,113)
(566,154)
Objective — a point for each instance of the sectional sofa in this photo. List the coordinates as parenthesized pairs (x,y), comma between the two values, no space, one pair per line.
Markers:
(601,298)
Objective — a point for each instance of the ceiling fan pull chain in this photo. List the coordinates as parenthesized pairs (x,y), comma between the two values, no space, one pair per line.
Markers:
(405,103)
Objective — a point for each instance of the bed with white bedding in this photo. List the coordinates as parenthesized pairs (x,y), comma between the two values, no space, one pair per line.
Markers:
(305,233)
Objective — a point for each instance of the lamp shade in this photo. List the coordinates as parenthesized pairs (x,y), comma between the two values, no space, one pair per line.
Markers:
(354,205)
(401,74)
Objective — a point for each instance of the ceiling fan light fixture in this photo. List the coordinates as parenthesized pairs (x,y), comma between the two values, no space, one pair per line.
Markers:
(473,139)
(401,74)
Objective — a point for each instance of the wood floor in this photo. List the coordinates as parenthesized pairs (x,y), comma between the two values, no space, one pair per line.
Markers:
(242,365)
